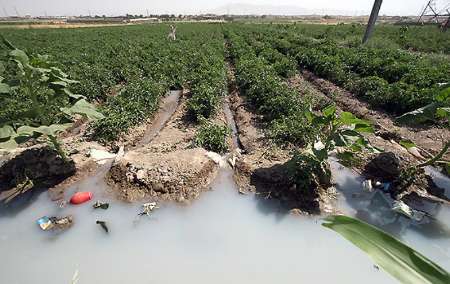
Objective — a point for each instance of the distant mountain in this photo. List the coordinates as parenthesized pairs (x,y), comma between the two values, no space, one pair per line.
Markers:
(252,9)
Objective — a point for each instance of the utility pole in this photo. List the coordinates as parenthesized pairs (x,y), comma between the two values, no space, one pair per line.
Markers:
(17,12)
(372,20)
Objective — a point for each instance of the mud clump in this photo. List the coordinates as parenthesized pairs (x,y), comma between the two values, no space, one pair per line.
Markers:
(384,167)
(173,176)
(42,165)
(405,180)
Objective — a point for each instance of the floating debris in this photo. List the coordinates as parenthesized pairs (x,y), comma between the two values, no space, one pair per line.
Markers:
(147,208)
(402,208)
(103,225)
(81,197)
(50,223)
(101,205)
(45,223)
(367,185)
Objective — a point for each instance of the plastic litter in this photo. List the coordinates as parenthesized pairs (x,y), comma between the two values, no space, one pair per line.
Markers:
(101,156)
(50,223)
(367,185)
(147,208)
(402,208)
(101,205)
(45,223)
(103,225)
(216,158)
(81,197)
(386,187)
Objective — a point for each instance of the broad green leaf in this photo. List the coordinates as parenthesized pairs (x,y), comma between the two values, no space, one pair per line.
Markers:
(4,88)
(347,118)
(364,128)
(20,56)
(401,261)
(84,108)
(419,115)
(407,144)
(53,129)
(329,111)
(9,144)
(6,131)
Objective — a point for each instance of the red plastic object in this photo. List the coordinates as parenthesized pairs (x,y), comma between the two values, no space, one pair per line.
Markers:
(81,197)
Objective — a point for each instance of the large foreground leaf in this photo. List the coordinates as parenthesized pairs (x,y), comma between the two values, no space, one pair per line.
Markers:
(399,260)
(84,108)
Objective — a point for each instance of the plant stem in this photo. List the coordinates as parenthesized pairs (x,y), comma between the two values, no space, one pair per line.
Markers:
(58,148)
(437,157)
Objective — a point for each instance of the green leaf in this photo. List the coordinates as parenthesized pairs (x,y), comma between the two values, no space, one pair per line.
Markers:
(443,112)
(347,118)
(407,144)
(9,144)
(399,260)
(419,115)
(84,108)
(52,130)
(4,88)
(364,128)
(329,111)
(444,96)
(6,132)
(20,56)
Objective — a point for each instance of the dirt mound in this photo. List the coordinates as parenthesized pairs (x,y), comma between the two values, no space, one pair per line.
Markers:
(40,167)
(167,167)
(178,175)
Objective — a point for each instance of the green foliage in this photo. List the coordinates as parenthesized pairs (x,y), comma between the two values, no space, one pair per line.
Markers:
(396,258)
(135,103)
(212,137)
(38,100)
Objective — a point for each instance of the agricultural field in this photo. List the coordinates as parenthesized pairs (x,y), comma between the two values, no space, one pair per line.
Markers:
(303,116)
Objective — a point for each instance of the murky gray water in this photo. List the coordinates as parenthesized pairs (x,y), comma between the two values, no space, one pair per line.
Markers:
(222,238)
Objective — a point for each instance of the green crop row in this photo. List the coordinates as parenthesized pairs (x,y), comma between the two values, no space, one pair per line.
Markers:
(264,89)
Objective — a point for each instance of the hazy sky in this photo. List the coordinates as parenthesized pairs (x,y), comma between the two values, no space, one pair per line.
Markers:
(117,7)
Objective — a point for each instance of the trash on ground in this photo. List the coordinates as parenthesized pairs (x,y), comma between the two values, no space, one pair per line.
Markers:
(415,152)
(101,156)
(81,197)
(402,208)
(103,225)
(50,223)
(216,158)
(147,208)
(119,154)
(101,205)
(367,185)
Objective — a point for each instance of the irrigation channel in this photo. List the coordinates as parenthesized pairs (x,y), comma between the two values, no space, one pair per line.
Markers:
(224,237)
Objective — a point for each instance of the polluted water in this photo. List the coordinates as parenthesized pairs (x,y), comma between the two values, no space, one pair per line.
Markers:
(224,237)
